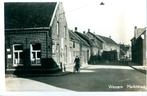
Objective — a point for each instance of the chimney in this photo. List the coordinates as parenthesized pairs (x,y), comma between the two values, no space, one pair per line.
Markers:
(76,29)
(88,30)
(110,37)
(135,31)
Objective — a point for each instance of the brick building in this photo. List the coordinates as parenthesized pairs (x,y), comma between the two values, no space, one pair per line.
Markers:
(36,36)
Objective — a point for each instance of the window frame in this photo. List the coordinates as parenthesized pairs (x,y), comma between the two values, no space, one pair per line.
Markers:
(18,57)
(34,59)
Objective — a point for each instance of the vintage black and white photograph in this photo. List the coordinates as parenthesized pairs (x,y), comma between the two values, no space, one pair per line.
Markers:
(75,46)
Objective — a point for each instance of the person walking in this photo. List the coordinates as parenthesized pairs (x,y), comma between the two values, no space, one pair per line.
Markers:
(77,64)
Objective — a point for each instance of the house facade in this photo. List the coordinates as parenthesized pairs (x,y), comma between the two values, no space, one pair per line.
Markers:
(107,48)
(138,42)
(78,47)
(96,50)
(110,48)
(36,36)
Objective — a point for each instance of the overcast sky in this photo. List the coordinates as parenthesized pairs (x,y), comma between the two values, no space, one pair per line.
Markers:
(116,18)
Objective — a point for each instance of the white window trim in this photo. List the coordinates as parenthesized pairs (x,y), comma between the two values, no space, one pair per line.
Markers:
(15,65)
(31,56)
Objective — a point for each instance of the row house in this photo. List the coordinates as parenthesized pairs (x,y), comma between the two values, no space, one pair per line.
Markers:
(36,36)
(139,52)
(94,48)
(78,47)
(108,48)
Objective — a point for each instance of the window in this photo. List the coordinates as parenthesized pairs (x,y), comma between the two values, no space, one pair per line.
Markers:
(17,54)
(65,32)
(73,44)
(58,28)
(36,54)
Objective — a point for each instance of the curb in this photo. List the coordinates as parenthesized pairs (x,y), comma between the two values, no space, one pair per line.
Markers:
(40,75)
(140,70)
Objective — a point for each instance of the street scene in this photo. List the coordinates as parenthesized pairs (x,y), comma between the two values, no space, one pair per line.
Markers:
(93,78)
(51,48)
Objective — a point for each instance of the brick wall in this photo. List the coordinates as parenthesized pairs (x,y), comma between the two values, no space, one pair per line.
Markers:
(25,38)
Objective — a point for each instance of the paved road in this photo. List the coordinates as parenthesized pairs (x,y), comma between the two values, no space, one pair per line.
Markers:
(91,78)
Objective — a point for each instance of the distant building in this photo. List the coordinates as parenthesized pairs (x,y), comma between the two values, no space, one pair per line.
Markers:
(111,49)
(97,43)
(139,51)
(36,36)
(107,48)
(125,52)
(78,47)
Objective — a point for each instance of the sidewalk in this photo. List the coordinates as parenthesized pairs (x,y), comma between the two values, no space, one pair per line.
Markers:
(142,69)
(39,75)
(28,85)
(69,70)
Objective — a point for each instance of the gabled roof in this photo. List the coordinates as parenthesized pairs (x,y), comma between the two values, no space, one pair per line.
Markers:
(28,15)
(78,39)
(97,39)
(104,39)
(124,47)
(140,31)
(107,40)
(72,36)
(86,38)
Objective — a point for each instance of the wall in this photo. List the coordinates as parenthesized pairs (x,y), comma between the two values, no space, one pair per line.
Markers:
(144,49)
(60,39)
(98,45)
(109,47)
(25,38)
(85,54)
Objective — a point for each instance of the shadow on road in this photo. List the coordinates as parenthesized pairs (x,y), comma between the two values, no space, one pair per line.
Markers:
(96,80)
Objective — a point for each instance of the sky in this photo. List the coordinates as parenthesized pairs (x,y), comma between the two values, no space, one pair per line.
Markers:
(116,18)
